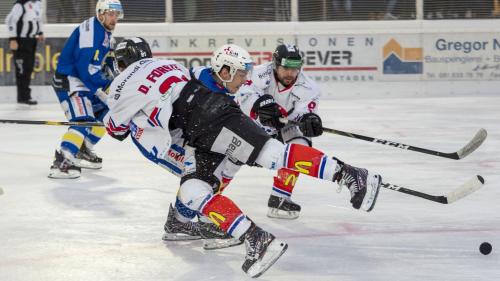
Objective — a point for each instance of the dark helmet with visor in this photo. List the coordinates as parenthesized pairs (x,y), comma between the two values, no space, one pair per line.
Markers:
(287,55)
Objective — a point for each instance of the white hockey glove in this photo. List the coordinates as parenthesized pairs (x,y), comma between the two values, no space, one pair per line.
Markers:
(102,94)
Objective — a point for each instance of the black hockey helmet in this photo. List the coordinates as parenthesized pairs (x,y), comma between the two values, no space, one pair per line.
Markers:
(287,55)
(131,50)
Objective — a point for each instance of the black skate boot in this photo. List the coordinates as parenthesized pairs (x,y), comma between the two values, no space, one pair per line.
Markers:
(176,230)
(63,167)
(282,208)
(363,185)
(87,159)
(26,104)
(263,250)
(215,238)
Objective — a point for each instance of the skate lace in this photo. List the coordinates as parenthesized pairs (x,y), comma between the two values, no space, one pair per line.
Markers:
(348,180)
(62,163)
(251,242)
(251,248)
(256,243)
(175,226)
(211,231)
(88,154)
(65,165)
(181,227)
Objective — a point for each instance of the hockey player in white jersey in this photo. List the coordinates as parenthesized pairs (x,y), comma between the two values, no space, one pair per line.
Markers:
(152,97)
(282,81)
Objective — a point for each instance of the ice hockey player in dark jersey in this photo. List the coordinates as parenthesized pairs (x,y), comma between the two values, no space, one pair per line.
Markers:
(151,97)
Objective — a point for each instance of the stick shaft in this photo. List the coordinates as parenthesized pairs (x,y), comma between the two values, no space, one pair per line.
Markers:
(53,123)
(392,143)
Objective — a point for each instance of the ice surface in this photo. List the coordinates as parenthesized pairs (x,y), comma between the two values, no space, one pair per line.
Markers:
(107,225)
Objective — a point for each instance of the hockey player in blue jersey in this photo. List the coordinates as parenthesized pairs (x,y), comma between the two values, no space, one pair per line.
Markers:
(84,71)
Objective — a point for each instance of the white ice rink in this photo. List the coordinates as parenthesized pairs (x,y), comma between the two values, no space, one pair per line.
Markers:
(108,224)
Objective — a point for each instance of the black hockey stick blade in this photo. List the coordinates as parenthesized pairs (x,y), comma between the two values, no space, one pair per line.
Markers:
(465,189)
(55,123)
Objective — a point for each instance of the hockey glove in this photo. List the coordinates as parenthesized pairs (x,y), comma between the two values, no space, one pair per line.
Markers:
(268,111)
(310,125)
(119,137)
(102,94)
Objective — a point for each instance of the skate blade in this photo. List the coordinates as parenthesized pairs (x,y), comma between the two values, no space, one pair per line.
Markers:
(25,107)
(179,237)
(272,254)
(281,214)
(84,164)
(57,174)
(371,195)
(214,244)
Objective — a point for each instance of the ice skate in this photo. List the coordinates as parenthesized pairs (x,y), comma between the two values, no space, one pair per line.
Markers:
(176,230)
(214,238)
(63,167)
(282,208)
(87,159)
(363,185)
(263,250)
(27,104)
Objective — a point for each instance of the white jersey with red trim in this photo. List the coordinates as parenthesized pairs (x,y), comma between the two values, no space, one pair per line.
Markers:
(140,101)
(295,100)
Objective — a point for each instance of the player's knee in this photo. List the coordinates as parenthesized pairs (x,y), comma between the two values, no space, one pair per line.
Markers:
(301,140)
(192,195)
(271,155)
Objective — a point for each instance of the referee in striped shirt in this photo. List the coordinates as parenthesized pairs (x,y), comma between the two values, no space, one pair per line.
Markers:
(24,24)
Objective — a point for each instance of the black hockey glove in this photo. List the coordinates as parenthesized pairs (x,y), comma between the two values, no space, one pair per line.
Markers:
(268,111)
(119,137)
(310,125)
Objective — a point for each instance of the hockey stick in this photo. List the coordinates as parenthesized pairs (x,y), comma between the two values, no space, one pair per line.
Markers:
(472,145)
(467,188)
(56,123)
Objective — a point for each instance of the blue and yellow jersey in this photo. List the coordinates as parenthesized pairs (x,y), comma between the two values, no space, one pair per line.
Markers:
(84,52)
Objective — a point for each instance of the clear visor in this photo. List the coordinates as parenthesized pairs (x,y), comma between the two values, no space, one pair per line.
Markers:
(291,63)
(247,72)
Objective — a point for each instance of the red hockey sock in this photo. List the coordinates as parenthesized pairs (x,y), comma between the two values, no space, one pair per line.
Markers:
(224,213)
(284,182)
(309,161)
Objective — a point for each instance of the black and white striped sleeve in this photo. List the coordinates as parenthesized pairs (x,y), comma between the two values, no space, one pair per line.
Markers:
(14,21)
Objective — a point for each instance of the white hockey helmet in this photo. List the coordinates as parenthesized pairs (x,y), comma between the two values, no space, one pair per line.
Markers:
(109,5)
(232,56)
